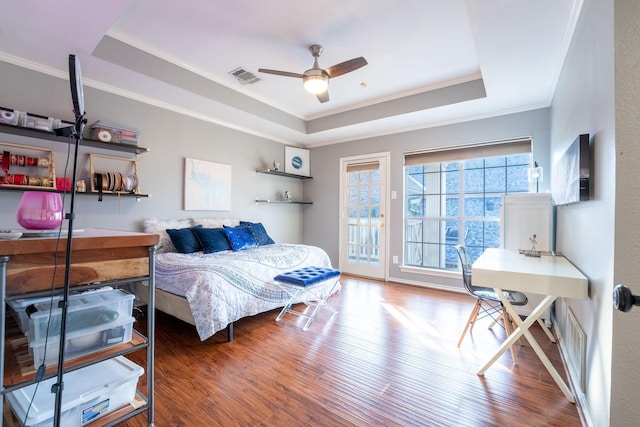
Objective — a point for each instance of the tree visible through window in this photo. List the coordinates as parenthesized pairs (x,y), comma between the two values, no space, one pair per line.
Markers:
(458,202)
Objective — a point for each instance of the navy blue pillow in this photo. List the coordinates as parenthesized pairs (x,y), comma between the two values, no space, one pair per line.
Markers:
(259,233)
(184,239)
(241,237)
(212,240)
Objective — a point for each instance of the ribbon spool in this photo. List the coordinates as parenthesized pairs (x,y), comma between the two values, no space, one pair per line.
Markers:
(7,116)
(104,136)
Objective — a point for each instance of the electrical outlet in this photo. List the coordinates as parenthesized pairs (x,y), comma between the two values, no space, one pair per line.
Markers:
(395,259)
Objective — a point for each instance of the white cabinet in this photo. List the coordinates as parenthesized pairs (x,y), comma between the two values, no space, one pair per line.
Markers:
(522,216)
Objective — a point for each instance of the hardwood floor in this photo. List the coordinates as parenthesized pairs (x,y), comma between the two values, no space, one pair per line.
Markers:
(389,358)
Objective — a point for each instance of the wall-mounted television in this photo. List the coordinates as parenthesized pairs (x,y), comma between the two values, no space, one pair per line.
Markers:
(571,173)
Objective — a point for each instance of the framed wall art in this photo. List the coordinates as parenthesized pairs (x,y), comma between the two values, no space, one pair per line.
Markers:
(296,161)
(207,186)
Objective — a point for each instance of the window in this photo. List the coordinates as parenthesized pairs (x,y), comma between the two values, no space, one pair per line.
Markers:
(364,213)
(454,197)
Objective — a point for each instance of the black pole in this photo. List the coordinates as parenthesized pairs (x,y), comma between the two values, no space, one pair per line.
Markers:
(58,387)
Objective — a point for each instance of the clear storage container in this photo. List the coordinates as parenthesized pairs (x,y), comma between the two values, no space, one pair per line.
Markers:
(9,116)
(36,121)
(82,342)
(19,310)
(89,393)
(111,132)
(84,310)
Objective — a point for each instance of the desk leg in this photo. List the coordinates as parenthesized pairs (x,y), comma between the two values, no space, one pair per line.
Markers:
(552,370)
(544,327)
(523,329)
(522,326)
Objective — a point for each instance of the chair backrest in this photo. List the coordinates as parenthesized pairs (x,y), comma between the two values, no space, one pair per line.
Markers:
(465,263)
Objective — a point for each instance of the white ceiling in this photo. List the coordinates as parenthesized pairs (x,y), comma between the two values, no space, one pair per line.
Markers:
(431,62)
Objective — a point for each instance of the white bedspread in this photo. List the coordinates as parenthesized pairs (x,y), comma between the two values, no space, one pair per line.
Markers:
(226,286)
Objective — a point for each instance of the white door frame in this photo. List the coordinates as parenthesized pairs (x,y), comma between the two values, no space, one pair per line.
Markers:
(384,160)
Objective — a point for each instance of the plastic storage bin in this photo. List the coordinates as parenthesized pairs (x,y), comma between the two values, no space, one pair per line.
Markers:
(111,132)
(84,310)
(82,342)
(36,121)
(89,393)
(9,116)
(19,307)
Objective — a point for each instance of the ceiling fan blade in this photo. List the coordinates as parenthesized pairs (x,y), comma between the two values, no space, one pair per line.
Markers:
(346,67)
(324,96)
(280,73)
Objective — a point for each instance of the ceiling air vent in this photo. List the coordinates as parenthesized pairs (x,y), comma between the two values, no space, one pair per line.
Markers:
(244,76)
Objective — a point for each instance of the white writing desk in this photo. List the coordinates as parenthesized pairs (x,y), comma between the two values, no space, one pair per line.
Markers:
(553,276)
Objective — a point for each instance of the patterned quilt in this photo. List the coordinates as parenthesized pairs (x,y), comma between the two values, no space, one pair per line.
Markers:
(226,286)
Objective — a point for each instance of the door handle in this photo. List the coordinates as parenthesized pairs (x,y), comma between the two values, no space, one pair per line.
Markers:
(623,299)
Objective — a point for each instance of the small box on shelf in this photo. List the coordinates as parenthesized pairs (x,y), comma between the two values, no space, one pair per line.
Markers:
(9,116)
(36,121)
(114,133)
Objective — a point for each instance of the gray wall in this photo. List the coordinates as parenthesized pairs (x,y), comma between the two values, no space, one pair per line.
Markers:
(171,137)
(598,94)
(321,222)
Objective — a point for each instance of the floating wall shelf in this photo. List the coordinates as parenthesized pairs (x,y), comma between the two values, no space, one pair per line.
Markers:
(43,134)
(285,174)
(285,202)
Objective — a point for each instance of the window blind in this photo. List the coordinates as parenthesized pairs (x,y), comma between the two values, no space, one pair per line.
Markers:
(358,167)
(502,148)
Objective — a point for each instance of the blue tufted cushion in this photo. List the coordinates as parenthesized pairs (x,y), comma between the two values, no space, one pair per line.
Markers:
(212,239)
(184,239)
(241,238)
(307,276)
(259,233)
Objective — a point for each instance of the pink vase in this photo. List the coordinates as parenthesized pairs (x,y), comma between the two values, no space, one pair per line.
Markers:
(40,210)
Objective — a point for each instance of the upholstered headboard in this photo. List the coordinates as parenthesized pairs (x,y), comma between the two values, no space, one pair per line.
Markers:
(159,227)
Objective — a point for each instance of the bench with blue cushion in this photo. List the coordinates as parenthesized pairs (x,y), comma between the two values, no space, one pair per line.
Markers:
(301,283)
(307,276)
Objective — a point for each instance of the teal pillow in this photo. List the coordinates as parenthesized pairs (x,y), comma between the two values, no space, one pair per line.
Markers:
(241,238)
(212,239)
(184,239)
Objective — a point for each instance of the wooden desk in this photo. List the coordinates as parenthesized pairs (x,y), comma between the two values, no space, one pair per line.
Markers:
(552,276)
(99,256)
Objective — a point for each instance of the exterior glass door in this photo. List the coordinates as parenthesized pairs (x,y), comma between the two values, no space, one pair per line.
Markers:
(363,233)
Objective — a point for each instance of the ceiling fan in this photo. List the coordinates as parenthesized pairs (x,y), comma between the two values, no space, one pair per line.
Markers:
(316,80)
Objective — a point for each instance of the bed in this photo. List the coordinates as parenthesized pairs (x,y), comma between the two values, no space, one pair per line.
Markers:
(213,290)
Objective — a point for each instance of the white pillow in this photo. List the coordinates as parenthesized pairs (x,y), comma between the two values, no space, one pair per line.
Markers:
(159,227)
(215,222)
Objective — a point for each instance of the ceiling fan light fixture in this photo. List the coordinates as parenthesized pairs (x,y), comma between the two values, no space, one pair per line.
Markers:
(315,81)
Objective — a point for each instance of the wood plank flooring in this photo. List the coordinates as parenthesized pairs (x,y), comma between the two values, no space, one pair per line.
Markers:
(389,358)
